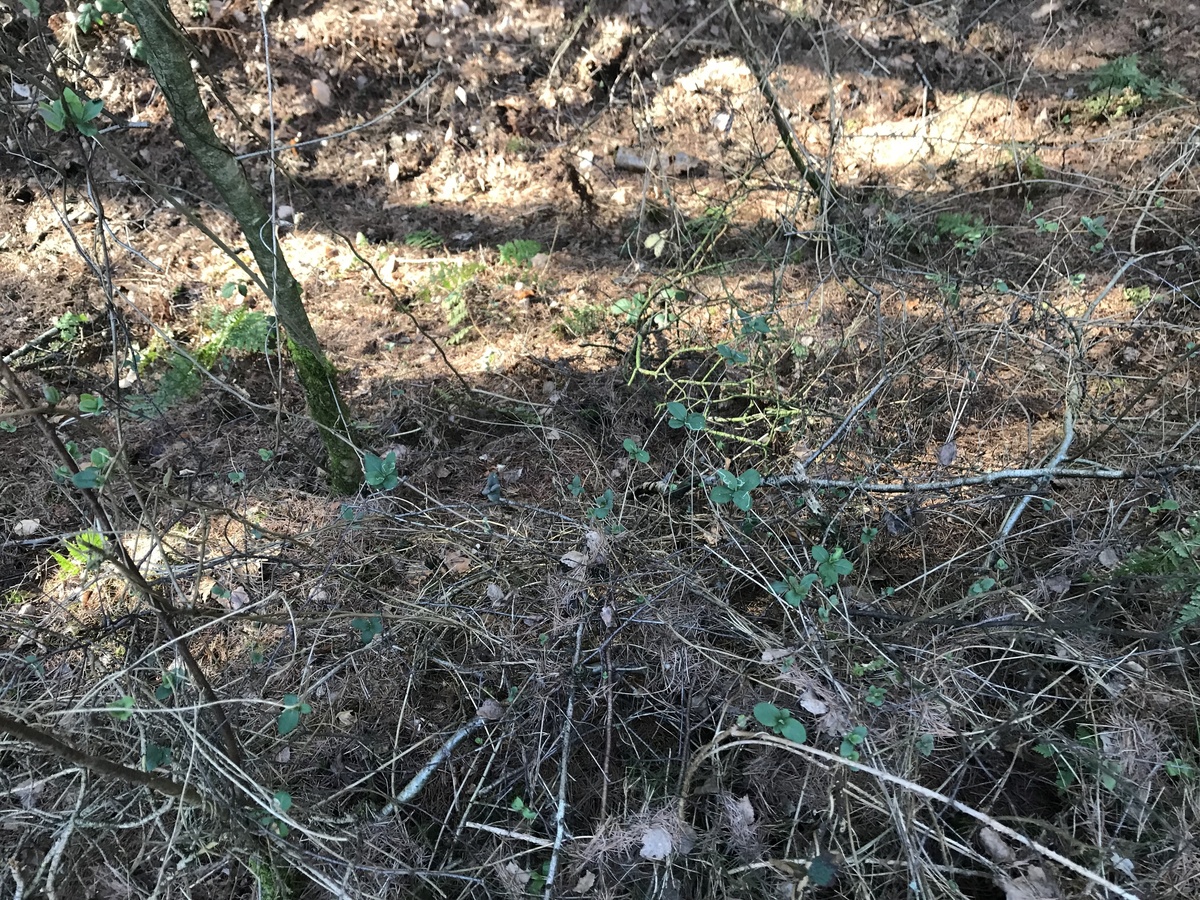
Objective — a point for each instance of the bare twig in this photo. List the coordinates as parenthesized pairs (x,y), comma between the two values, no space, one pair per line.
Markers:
(560,812)
(47,742)
(734,737)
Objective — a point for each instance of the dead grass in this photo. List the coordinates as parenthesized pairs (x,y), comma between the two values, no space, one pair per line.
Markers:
(552,690)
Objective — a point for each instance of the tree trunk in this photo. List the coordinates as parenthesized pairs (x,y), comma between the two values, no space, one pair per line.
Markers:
(169,57)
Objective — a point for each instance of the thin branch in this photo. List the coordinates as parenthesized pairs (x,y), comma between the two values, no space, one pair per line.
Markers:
(750,738)
(47,742)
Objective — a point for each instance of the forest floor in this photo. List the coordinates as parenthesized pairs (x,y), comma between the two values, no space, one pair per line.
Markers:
(745,520)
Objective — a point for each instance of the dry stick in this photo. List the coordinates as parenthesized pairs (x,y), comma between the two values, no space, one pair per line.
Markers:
(1074,398)
(125,563)
(560,813)
(816,183)
(1040,473)
(96,764)
(751,738)
(417,782)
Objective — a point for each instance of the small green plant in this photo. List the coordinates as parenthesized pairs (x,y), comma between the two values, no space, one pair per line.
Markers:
(925,745)
(966,230)
(368,627)
(92,14)
(122,708)
(1096,229)
(450,286)
(1120,88)
(172,681)
(876,695)
(1046,226)
(85,552)
(780,721)
(831,565)
(852,741)
(948,287)
(735,489)
(794,588)
(423,239)
(71,110)
(1174,562)
(236,477)
(380,471)
(1178,768)
(68,325)
(581,322)
(241,329)
(636,453)
(576,487)
(289,719)
(732,355)
(603,506)
(518,253)
(280,804)
(981,585)
(229,288)
(91,404)
(155,756)
(1084,756)
(679,417)
(518,805)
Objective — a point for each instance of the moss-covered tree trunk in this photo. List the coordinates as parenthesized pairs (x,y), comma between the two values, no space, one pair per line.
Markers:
(169,56)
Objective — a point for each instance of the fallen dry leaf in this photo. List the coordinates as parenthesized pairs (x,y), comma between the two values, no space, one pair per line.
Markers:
(946,453)
(26,527)
(491,710)
(456,562)
(321,93)
(656,843)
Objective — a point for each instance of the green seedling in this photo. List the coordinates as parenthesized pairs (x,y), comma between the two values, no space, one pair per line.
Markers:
(852,741)
(155,757)
(795,588)
(735,488)
(85,552)
(293,709)
(1096,229)
(380,472)
(122,709)
(876,695)
(423,239)
(172,681)
(603,506)
(732,355)
(1045,226)
(831,565)
(91,404)
(636,453)
(280,804)
(576,487)
(368,627)
(518,253)
(74,111)
(982,585)
(518,805)
(679,417)
(780,721)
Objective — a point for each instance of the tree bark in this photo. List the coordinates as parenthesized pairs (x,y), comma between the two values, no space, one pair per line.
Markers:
(169,56)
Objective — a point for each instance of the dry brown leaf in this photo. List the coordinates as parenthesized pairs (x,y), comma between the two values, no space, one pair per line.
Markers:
(946,453)
(321,93)
(456,562)
(491,710)
(26,527)
(585,883)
